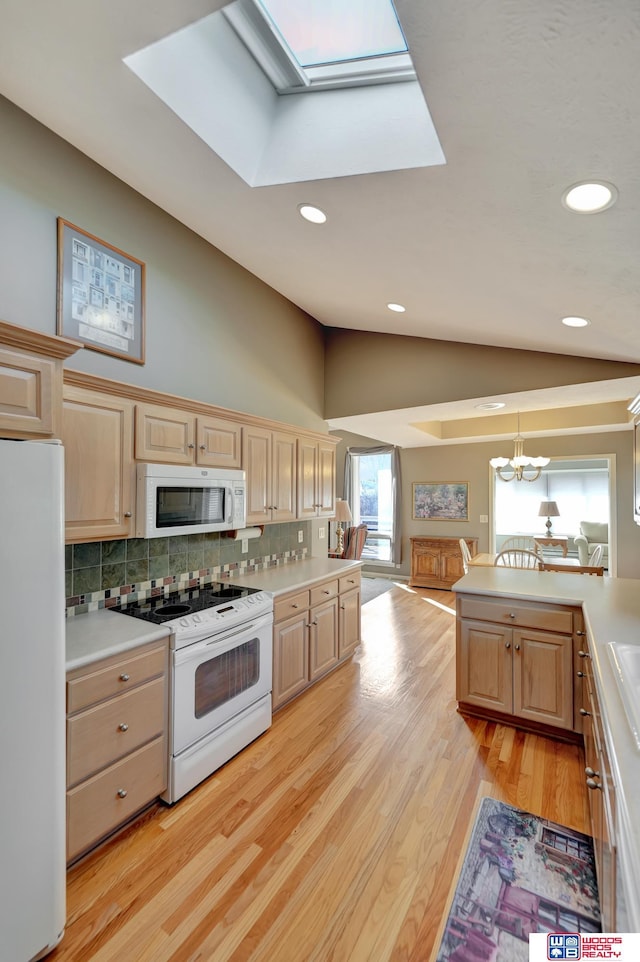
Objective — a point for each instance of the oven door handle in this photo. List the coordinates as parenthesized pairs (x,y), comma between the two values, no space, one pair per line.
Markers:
(220,644)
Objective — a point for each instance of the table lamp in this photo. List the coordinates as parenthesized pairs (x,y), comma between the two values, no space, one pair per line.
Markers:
(343,513)
(548,510)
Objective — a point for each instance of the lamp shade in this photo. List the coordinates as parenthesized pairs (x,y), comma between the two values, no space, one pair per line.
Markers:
(548,509)
(343,511)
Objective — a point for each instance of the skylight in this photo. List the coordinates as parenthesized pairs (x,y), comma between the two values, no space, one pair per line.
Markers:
(320,32)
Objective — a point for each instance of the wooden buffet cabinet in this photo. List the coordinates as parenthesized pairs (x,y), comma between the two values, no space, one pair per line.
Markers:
(436,562)
(315,629)
(116,742)
(516,662)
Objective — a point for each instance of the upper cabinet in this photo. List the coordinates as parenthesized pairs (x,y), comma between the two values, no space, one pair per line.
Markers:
(316,478)
(31,382)
(172,436)
(269,459)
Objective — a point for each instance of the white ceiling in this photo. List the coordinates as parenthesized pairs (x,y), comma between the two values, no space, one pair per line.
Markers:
(527,97)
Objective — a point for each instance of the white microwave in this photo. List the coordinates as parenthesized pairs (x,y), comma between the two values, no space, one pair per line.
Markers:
(174,500)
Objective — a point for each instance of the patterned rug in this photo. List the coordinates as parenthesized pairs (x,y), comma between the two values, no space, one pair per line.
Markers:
(520,874)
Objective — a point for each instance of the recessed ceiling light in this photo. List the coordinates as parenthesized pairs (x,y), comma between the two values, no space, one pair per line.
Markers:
(590,197)
(575,321)
(398,308)
(311,213)
(490,405)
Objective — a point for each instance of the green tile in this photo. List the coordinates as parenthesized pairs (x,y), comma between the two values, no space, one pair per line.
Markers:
(178,563)
(137,549)
(86,580)
(113,552)
(212,555)
(68,584)
(159,567)
(86,555)
(195,540)
(158,547)
(68,557)
(178,543)
(195,558)
(136,571)
(113,575)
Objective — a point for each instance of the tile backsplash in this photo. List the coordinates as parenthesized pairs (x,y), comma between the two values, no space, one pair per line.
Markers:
(100,574)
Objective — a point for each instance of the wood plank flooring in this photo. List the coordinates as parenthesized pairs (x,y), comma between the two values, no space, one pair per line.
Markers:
(336,836)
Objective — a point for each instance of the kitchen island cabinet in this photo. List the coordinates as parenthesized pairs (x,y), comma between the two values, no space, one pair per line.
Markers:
(116,741)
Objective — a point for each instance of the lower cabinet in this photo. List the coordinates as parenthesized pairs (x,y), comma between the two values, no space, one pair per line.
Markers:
(116,742)
(437,562)
(314,630)
(517,659)
(599,780)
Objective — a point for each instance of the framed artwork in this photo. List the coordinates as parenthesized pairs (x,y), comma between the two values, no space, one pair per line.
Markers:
(441,501)
(100,294)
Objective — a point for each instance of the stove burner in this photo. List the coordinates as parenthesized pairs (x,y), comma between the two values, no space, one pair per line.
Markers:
(227,592)
(172,611)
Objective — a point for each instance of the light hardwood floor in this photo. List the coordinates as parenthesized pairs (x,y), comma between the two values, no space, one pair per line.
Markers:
(337,834)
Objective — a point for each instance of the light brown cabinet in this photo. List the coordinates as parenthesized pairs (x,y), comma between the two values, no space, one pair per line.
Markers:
(172,436)
(316,478)
(516,659)
(314,630)
(601,786)
(31,382)
(97,433)
(269,459)
(116,742)
(436,562)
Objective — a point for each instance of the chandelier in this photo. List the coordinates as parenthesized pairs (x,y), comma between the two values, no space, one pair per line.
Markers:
(519,463)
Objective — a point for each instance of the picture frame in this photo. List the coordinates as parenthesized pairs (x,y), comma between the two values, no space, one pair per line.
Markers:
(440,501)
(100,294)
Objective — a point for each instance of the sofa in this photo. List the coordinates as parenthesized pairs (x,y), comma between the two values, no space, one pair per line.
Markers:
(591,534)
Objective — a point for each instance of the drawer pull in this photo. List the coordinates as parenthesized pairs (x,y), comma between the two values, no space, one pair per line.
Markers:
(585,713)
(591,783)
(124,676)
(512,614)
(517,647)
(581,633)
(590,772)
(326,591)
(122,793)
(582,654)
(295,606)
(580,674)
(123,727)
(507,644)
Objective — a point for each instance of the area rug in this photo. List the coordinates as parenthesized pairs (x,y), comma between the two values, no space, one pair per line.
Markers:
(520,874)
(372,587)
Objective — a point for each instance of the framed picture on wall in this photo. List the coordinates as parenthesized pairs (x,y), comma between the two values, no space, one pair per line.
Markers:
(441,501)
(100,294)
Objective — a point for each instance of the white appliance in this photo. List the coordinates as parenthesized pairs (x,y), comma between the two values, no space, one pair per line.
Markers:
(32,699)
(221,670)
(186,500)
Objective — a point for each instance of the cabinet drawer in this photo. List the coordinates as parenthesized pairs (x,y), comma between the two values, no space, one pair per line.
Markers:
(291,605)
(114,679)
(505,612)
(323,592)
(95,808)
(103,734)
(347,582)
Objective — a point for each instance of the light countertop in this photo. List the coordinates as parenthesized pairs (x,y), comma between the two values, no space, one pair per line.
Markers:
(99,634)
(611,608)
(297,575)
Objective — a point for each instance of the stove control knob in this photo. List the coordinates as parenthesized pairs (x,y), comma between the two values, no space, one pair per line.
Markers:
(184,622)
(196,619)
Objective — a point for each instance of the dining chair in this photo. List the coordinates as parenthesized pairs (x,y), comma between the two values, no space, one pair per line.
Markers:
(597,570)
(466,555)
(517,558)
(523,543)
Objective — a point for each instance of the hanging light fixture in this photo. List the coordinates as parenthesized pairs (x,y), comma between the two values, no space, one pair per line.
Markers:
(519,462)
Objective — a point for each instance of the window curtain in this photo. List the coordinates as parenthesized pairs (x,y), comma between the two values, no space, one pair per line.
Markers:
(396,488)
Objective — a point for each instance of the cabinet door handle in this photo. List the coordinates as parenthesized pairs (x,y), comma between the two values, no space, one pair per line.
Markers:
(124,676)
(123,727)
(580,674)
(127,514)
(203,447)
(590,772)
(507,644)
(517,647)
(342,607)
(591,783)
(585,713)
(580,633)
(583,654)
(122,793)
(191,444)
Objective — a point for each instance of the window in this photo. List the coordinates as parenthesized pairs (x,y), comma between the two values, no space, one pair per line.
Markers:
(568,844)
(372,485)
(319,44)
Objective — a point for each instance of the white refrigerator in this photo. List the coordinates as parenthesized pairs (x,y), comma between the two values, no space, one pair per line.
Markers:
(32,699)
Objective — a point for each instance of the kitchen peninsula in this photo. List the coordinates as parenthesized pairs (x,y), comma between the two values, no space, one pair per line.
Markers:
(610,608)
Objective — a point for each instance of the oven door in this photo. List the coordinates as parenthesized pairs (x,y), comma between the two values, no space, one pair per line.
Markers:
(218,677)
